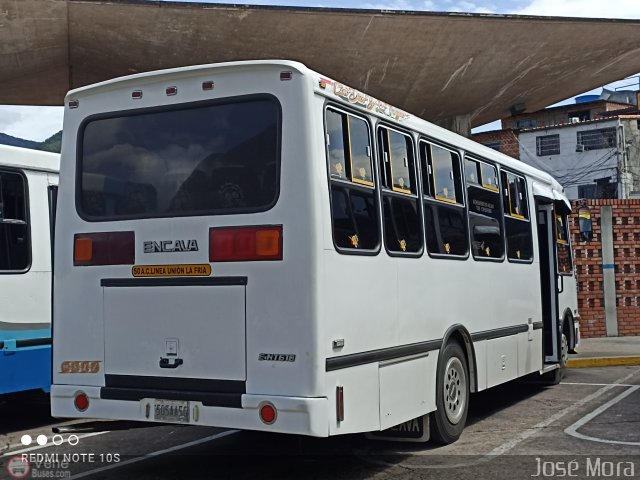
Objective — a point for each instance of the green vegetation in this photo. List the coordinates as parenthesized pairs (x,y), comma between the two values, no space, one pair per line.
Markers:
(52,144)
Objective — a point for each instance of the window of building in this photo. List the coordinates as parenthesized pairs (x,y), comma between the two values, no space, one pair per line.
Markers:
(600,188)
(402,229)
(527,123)
(494,145)
(562,244)
(485,214)
(444,212)
(587,191)
(581,115)
(354,209)
(15,248)
(597,139)
(516,218)
(548,145)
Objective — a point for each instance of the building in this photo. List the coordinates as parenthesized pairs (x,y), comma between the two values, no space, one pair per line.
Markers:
(591,147)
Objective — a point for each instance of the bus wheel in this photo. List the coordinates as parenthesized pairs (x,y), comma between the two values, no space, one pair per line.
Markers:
(452,395)
(555,377)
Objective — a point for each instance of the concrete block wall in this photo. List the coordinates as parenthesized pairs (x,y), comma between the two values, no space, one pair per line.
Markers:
(588,258)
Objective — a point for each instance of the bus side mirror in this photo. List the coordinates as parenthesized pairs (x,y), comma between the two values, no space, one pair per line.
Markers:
(586,226)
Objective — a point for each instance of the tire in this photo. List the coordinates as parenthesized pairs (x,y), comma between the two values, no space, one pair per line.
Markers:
(555,377)
(452,395)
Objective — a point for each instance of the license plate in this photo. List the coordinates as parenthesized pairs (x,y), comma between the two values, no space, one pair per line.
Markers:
(416,430)
(171,411)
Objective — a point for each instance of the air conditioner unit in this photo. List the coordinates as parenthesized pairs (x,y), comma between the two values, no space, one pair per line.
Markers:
(574,120)
(579,147)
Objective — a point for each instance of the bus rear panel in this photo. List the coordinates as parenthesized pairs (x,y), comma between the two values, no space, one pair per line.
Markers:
(183,253)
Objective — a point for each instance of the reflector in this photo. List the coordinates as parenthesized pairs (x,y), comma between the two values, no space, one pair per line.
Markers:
(81,401)
(268,413)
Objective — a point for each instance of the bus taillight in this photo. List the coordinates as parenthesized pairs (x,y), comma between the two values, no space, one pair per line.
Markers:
(243,244)
(110,248)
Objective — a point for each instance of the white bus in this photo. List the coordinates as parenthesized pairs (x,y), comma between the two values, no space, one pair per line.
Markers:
(253,245)
(27,178)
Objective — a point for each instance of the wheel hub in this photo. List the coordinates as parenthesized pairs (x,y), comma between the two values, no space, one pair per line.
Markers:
(455,390)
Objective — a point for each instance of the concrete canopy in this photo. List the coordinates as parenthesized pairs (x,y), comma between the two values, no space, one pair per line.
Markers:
(447,68)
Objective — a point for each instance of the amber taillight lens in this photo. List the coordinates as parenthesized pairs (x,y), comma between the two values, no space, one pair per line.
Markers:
(109,248)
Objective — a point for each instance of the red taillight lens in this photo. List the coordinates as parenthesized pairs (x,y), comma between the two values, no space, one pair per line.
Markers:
(112,248)
(243,244)
(268,413)
(81,401)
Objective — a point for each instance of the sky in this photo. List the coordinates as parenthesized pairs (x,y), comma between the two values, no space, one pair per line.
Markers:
(39,123)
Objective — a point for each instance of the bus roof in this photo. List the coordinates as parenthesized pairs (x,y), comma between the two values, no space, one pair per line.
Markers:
(405,119)
(29,159)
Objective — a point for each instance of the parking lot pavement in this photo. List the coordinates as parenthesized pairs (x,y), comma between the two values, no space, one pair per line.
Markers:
(514,431)
(606,351)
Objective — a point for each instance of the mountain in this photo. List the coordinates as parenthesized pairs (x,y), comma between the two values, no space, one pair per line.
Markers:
(17,142)
(51,144)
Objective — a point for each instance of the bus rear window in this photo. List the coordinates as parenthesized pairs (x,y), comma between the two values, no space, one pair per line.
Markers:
(207,159)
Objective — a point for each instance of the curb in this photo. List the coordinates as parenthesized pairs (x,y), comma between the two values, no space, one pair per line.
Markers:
(603,361)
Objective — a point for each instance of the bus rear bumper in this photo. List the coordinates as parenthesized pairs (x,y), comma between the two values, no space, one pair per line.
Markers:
(296,415)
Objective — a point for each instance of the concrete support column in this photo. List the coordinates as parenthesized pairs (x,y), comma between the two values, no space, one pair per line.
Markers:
(460,124)
(608,271)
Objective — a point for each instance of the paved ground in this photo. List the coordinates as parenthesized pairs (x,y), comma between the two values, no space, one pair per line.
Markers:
(608,347)
(514,431)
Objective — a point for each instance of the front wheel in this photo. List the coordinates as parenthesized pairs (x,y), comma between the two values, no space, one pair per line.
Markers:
(452,395)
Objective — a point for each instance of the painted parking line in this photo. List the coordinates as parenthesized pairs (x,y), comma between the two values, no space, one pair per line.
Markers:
(508,445)
(155,454)
(598,384)
(573,429)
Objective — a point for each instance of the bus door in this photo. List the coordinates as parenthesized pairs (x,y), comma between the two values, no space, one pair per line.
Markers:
(548,280)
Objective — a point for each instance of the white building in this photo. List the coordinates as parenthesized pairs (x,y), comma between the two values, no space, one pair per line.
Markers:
(586,157)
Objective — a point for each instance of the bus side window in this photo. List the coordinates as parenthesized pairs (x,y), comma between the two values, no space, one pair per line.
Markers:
(565,263)
(516,218)
(485,214)
(353,200)
(14,231)
(444,212)
(402,232)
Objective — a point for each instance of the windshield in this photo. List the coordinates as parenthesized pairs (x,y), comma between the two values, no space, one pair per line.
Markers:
(205,159)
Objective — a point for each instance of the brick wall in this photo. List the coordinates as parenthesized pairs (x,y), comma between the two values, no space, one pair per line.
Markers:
(588,262)
(507,138)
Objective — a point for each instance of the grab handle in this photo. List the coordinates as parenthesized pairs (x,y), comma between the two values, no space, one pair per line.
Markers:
(166,363)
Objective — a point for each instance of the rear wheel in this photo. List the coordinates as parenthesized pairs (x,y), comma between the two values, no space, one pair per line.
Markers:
(452,395)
